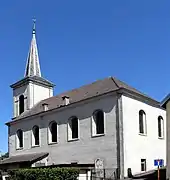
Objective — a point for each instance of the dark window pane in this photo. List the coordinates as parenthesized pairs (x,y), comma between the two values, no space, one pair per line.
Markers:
(21,104)
(74,127)
(159,126)
(99,119)
(54,132)
(141,121)
(20,138)
(36,135)
(143,164)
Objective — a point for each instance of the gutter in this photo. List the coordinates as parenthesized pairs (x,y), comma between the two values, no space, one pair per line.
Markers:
(119,91)
(59,108)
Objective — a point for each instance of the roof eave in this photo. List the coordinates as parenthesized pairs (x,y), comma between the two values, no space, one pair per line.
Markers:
(142,97)
(14,85)
(165,100)
(57,108)
(120,90)
(28,79)
(41,156)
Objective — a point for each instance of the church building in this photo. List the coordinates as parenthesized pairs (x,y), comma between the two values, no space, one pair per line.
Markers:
(103,125)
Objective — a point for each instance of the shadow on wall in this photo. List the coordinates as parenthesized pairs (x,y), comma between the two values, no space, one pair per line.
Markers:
(83,110)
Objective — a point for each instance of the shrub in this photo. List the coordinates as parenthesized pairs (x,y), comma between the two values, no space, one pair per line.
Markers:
(44,174)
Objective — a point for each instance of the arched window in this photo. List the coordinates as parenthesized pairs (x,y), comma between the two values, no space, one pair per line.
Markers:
(73,128)
(98,122)
(142,122)
(160,127)
(19,139)
(21,104)
(53,132)
(35,137)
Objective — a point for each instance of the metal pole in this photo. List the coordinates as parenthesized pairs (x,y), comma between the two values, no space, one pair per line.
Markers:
(158,173)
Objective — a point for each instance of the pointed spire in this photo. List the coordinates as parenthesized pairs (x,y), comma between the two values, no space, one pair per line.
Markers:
(33,65)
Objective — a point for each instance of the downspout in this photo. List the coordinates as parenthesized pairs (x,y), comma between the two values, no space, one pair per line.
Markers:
(120,139)
(8,139)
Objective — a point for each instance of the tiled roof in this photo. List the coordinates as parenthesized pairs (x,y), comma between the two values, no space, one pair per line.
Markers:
(96,88)
(24,158)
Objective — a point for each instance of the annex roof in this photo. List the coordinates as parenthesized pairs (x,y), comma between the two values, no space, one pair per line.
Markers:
(24,158)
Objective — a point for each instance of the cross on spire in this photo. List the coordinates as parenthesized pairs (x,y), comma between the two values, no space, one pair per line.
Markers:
(34,23)
(33,65)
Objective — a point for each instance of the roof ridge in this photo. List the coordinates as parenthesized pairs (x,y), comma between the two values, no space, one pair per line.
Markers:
(113,79)
(83,92)
(68,91)
(81,86)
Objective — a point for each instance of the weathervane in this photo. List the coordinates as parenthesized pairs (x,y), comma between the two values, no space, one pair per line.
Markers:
(34,21)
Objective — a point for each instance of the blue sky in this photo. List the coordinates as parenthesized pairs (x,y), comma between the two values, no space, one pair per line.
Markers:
(82,41)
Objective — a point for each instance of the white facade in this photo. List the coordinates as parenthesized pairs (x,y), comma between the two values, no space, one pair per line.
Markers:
(33,93)
(136,145)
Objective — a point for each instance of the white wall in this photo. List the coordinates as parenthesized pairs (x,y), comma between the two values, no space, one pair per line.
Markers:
(33,94)
(84,150)
(38,93)
(137,147)
(16,93)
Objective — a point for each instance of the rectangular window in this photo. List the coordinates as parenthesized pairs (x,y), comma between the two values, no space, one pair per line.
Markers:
(73,128)
(143,164)
(98,123)
(19,139)
(160,127)
(141,127)
(142,122)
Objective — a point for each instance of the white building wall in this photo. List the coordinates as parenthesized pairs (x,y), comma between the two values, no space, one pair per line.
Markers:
(38,93)
(33,94)
(84,150)
(16,93)
(136,146)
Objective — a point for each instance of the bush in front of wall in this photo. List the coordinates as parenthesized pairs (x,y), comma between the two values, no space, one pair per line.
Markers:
(44,174)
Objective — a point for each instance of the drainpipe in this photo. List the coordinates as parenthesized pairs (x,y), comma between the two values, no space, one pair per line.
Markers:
(120,139)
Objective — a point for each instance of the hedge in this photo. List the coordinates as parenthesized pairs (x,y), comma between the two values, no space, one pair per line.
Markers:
(44,174)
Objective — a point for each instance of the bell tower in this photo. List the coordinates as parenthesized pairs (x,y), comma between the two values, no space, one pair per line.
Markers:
(33,87)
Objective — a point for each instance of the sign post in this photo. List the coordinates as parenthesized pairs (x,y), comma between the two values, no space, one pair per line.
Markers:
(158,173)
(158,163)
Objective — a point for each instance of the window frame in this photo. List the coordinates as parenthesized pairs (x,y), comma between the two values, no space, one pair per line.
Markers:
(144,121)
(33,136)
(69,129)
(21,100)
(143,162)
(50,133)
(162,127)
(93,124)
(18,147)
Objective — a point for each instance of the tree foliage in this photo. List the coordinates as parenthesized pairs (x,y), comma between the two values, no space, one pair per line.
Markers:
(6,155)
(44,174)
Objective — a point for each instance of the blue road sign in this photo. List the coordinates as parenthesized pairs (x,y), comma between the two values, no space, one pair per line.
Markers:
(158,162)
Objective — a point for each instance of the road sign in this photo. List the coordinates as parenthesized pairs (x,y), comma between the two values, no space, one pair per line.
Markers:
(158,162)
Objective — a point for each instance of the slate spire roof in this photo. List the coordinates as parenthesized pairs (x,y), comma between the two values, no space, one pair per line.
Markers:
(32,70)
(33,65)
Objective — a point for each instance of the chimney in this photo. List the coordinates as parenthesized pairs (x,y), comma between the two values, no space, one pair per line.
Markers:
(66,100)
(45,106)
